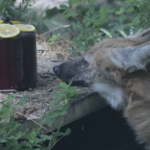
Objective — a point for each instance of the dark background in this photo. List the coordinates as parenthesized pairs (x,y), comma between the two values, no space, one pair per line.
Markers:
(105,129)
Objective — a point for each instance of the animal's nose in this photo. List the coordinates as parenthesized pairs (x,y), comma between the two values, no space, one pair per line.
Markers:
(56,69)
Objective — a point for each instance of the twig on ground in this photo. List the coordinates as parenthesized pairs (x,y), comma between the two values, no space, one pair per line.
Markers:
(65,26)
(26,112)
(35,122)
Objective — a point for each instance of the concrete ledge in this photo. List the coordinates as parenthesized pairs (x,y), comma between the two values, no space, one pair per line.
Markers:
(84,106)
(80,107)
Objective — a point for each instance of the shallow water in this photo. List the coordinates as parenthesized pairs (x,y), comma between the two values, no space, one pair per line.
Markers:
(105,129)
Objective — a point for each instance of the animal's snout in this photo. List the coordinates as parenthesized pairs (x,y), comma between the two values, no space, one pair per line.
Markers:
(56,69)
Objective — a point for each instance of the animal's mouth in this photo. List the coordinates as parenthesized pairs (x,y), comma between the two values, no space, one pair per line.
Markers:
(67,77)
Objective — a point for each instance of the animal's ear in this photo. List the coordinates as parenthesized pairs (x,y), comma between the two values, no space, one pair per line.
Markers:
(132,58)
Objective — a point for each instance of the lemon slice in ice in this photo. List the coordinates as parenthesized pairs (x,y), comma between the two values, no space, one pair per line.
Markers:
(8,31)
(25,27)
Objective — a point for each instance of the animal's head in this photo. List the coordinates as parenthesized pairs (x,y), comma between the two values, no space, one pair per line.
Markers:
(104,67)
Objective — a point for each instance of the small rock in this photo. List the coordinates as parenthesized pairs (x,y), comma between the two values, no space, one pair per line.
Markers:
(49,90)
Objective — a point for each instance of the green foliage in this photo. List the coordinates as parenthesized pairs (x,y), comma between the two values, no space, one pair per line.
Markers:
(9,134)
(6,110)
(7,8)
(131,18)
(88,28)
(141,14)
(60,104)
(54,38)
(23,100)
(12,131)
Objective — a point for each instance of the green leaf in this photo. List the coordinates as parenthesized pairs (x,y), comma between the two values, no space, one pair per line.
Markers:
(54,114)
(54,37)
(137,9)
(14,128)
(70,14)
(63,113)
(57,94)
(53,102)
(5,112)
(10,97)
(58,107)
(67,14)
(114,29)
(70,82)
(121,11)
(44,121)
(129,10)
(129,25)
(63,84)
(23,100)
(122,33)
(72,91)
(61,134)
(17,136)
(50,122)
(38,140)
(64,7)
(113,24)
(32,136)
(66,106)
(68,131)
(47,121)
(102,9)
(46,137)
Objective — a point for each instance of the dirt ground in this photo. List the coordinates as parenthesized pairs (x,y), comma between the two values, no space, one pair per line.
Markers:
(39,97)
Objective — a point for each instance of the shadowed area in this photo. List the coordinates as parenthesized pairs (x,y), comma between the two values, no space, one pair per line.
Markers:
(105,129)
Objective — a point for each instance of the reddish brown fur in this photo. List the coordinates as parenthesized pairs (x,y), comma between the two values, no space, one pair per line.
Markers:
(137,111)
(119,69)
(136,85)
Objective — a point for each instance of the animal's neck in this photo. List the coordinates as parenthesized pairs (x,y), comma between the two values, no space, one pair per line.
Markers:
(138,85)
(114,94)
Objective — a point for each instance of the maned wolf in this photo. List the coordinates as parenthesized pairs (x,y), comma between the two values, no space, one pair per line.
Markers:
(118,69)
